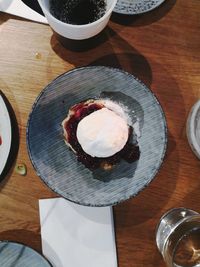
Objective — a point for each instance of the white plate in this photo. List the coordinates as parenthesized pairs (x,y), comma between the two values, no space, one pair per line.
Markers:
(193,128)
(5,133)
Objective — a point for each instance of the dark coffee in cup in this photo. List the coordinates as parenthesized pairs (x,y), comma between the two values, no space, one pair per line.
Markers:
(78,12)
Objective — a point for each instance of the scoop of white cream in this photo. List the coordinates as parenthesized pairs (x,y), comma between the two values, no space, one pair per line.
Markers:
(102,133)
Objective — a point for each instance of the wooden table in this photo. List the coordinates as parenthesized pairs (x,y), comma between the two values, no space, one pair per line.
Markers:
(162,48)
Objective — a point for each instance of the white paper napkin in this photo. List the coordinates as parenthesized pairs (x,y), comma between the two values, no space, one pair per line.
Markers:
(77,236)
(18,8)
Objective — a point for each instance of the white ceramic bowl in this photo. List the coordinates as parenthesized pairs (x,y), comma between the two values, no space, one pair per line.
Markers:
(193,128)
(77,32)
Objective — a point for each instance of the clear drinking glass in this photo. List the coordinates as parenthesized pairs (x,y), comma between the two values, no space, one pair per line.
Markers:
(178,238)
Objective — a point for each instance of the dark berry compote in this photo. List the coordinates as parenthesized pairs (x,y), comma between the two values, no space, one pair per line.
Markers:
(129,153)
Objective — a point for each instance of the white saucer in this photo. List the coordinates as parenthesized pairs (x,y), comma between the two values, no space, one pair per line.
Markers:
(193,128)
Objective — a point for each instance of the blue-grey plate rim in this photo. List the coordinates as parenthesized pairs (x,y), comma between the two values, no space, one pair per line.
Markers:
(31,249)
(118,10)
(153,173)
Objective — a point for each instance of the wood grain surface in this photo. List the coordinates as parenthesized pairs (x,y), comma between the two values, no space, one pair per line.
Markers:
(162,48)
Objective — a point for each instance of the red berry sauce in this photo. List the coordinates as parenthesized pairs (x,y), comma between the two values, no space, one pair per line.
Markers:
(130,152)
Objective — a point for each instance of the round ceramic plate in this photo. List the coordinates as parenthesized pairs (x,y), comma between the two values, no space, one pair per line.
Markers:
(18,255)
(193,128)
(57,165)
(5,134)
(133,7)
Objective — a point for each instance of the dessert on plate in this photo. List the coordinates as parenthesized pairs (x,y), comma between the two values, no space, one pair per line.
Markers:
(98,131)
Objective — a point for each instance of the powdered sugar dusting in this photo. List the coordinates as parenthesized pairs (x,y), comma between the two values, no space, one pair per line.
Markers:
(136,127)
(123,112)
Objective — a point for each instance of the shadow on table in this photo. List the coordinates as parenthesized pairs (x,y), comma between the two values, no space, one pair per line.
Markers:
(82,45)
(135,64)
(67,49)
(14,138)
(23,236)
(150,202)
(190,200)
(136,219)
(145,18)
(131,60)
(3,17)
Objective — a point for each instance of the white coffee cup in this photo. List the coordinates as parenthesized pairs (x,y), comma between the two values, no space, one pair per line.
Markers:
(77,32)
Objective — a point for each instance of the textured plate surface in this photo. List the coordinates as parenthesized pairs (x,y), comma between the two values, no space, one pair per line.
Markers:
(57,165)
(5,134)
(193,128)
(131,7)
(18,255)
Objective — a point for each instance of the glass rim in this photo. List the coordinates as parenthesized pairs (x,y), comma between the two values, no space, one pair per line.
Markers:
(169,211)
(160,227)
